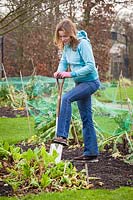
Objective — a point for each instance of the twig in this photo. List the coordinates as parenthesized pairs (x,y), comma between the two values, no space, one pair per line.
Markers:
(25,101)
(74,133)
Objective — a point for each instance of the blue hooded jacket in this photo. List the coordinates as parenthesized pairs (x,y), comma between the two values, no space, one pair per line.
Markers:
(81,61)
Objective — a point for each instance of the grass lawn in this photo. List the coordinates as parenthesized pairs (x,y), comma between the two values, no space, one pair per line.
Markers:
(116,94)
(123,193)
(14,130)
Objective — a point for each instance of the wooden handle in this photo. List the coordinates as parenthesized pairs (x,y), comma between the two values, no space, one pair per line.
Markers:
(60,87)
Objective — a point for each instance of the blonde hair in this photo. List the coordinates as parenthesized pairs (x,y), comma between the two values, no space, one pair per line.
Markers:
(69,28)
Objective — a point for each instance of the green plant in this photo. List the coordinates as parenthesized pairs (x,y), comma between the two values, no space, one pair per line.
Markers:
(124,122)
(4,92)
(37,168)
(4,96)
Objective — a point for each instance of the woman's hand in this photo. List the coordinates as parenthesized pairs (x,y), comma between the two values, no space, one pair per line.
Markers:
(56,74)
(62,75)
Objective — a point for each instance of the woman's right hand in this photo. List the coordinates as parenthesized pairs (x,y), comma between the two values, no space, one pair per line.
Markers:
(56,75)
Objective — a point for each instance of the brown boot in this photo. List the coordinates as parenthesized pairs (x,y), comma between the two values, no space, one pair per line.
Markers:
(60,140)
(86,158)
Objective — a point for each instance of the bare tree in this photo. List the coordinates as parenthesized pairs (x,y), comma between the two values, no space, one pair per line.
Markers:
(30,44)
(26,9)
(97,21)
(31,26)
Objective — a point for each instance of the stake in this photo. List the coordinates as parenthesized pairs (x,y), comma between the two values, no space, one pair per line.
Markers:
(87,175)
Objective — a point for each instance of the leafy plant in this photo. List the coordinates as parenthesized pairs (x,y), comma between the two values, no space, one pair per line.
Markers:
(4,95)
(4,150)
(37,168)
(124,122)
(4,92)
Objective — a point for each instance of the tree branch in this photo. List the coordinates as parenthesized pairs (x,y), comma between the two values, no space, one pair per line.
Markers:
(21,13)
(31,17)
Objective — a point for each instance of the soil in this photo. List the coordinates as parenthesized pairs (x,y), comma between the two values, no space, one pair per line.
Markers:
(11,113)
(111,172)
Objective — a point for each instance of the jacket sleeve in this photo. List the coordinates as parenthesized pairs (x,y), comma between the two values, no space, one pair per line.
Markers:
(86,53)
(63,65)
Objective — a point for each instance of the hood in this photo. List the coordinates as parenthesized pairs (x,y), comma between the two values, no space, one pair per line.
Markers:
(82,35)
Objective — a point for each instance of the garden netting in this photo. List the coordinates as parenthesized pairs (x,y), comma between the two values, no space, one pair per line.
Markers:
(39,96)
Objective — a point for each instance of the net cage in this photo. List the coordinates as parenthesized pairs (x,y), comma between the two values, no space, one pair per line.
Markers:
(38,95)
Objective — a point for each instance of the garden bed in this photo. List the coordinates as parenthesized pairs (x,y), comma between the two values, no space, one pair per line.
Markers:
(110,172)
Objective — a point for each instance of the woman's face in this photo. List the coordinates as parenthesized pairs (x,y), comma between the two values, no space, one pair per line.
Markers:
(64,38)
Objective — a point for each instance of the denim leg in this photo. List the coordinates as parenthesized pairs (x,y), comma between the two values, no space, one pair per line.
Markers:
(89,134)
(64,118)
(82,94)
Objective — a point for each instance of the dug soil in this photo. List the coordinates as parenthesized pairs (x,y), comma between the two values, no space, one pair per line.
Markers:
(109,172)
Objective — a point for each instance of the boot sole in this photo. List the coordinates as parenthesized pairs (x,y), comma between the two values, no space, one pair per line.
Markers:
(57,142)
(85,161)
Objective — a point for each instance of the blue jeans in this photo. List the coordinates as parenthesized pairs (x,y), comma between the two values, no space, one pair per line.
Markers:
(82,94)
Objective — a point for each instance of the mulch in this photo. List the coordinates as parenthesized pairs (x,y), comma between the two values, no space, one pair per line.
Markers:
(111,172)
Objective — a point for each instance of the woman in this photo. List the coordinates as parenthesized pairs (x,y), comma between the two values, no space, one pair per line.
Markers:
(77,54)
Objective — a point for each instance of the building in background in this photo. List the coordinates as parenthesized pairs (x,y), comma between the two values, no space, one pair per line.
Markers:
(121,53)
